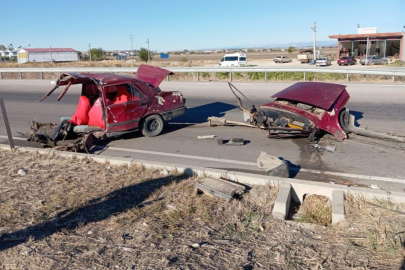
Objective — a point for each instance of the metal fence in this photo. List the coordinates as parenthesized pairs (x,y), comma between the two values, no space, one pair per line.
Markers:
(198,70)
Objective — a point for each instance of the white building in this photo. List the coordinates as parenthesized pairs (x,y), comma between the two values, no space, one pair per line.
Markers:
(47,55)
(9,53)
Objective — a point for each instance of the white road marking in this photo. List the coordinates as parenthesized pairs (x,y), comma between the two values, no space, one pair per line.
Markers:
(254,164)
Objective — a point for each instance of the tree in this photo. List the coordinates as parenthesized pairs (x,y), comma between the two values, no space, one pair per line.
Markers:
(79,55)
(10,46)
(97,53)
(291,49)
(2,48)
(144,54)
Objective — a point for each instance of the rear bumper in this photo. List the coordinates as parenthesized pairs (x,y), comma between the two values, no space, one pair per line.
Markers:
(174,113)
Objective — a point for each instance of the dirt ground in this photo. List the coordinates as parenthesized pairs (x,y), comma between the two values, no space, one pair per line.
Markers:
(78,214)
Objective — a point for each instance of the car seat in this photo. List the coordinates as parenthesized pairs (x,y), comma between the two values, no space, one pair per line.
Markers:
(81,115)
(123,95)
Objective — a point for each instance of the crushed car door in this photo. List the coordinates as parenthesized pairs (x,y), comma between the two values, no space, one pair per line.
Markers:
(125,106)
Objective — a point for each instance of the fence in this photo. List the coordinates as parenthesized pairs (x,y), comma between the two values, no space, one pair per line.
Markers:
(198,70)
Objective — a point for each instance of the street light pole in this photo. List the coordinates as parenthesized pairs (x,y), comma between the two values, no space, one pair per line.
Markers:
(148,50)
(314,29)
(90,51)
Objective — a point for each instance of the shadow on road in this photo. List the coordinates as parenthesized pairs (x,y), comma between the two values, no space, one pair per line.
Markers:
(94,210)
(201,113)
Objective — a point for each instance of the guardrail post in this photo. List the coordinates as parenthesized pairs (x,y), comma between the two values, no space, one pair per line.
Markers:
(265,76)
(167,79)
(364,77)
(1,75)
(393,78)
(42,75)
(347,77)
(305,76)
(20,75)
(198,76)
(230,76)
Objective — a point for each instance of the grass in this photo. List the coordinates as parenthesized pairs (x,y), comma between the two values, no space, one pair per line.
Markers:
(317,210)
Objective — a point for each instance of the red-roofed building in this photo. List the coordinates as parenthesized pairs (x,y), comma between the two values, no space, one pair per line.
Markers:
(47,55)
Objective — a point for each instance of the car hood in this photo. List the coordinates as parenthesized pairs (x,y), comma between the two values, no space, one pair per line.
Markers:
(152,75)
(319,94)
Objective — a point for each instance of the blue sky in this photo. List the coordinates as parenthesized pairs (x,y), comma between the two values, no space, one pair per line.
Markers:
(192,25)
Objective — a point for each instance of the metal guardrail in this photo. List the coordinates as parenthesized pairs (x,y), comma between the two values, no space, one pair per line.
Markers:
(198,70)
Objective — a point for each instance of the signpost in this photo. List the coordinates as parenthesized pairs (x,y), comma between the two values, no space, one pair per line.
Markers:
(7,124)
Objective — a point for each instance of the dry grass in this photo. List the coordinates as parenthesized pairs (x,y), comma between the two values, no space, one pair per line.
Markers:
(74,214)
(316,209)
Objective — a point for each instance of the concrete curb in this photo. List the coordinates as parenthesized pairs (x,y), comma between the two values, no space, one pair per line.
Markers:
(300,187)
(282,204)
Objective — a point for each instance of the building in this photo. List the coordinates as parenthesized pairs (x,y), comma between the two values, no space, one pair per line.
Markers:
(381,44)
(47,55)
(8,54)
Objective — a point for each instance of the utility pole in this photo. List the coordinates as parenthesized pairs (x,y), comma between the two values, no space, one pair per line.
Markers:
(90,51)
(148,50)
(50,50)
(131,38)
(314,29)
(368,39)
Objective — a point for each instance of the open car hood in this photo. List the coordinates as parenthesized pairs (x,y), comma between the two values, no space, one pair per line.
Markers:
(318,94)
(152,75)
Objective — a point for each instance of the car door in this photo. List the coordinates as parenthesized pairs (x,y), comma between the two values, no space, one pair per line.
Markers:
(124,111)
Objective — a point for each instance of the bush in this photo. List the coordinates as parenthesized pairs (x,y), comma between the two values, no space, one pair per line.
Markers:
(204,74)
(222,75)
(183,60)
(144,54)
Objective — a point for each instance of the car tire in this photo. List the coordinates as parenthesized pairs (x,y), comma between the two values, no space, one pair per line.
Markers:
(344,115)
(231,65)
(152,125)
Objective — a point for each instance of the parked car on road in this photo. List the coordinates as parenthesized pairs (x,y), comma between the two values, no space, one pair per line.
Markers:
(323,61)
(346,61)
(373,60)
(111,105)
(282,59)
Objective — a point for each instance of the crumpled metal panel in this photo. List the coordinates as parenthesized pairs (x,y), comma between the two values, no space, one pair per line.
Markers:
(319,94)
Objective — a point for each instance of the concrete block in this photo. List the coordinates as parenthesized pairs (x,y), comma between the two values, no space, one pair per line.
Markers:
(42,151)
(371,194)
(338,206)
(282,205)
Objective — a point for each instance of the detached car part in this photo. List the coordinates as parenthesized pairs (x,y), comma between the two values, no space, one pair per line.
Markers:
(306,109)
(301,110)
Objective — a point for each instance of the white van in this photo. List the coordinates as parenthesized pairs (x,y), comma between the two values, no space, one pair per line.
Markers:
(233,60)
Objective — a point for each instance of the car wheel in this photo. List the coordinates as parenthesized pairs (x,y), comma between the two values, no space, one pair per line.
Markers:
(231,65)
(344,115)
(339,65)
(152,125)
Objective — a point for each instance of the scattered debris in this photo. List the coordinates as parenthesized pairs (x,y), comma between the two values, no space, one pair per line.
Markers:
(233,141)
(217,121)
(322,149)
(220,188)
(206,137)
(273,165)
(196,245)
(22,172)
(374,186)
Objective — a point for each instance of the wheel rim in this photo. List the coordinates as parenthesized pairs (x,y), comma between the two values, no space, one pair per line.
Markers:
(152,125)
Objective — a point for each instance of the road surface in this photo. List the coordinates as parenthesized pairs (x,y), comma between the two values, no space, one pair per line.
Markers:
(380,107)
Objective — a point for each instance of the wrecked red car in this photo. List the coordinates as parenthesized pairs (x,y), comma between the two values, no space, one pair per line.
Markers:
(111,105)
(303,109)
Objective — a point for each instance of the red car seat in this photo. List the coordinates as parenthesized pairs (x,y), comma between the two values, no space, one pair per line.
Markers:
(81,115)
(96,114)
(122,95)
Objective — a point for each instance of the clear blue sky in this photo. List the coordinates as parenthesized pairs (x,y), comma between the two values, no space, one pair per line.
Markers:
(178,25)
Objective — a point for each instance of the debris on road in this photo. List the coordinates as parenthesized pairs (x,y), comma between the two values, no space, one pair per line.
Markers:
(220,188)
(220,121)
(22,172)
(322,149)
(273,165)
(206,137)
(374,186)
(233,141)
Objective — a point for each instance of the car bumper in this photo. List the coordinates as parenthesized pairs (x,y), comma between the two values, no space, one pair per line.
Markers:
(321,64)
(174,113)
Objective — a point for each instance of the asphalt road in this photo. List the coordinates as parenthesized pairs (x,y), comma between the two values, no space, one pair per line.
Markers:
(380,107)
